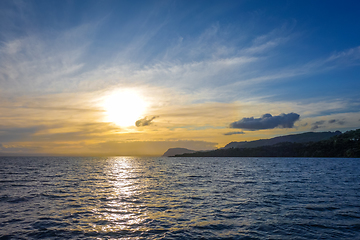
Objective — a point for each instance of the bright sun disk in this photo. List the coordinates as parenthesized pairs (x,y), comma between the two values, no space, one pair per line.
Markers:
(124,107)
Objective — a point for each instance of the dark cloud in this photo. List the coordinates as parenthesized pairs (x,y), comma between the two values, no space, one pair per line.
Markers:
(317,124)
(233,133)
(18,133)
(144,121)
(40,133)
(315,127)
(320,124)
(267,121)
(337,121)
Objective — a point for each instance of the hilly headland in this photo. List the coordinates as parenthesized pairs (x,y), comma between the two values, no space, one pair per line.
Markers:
(311,144)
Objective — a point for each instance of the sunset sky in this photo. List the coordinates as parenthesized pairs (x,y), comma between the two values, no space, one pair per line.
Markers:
(139,77)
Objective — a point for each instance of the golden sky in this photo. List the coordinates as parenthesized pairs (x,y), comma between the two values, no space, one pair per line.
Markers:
(119,80)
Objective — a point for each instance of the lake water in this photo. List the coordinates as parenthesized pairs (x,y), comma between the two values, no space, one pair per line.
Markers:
(179,198)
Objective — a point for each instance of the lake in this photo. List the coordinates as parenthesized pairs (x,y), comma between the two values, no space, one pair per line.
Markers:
(179,198)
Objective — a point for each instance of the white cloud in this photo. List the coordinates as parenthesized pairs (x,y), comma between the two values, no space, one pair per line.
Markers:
(348,58)
(57,63)
(37,61)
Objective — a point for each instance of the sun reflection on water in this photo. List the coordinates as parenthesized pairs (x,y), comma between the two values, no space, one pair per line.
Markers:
(121,208)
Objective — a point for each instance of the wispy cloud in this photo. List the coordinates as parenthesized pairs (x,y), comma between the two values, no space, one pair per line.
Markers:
(41,61)
(18,133)
(348,57)
(233,133)
(52,79)
(58,64)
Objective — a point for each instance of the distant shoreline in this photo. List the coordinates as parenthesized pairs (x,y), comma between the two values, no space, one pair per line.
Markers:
(345,145)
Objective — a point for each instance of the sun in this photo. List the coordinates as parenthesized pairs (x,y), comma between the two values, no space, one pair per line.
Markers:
(124,107)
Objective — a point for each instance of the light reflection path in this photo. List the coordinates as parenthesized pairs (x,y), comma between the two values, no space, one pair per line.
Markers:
(122,209)
(160,196)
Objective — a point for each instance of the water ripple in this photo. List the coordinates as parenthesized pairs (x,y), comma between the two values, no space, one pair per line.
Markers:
(179,198)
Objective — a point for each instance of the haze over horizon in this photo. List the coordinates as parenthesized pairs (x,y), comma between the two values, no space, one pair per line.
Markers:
(139,77)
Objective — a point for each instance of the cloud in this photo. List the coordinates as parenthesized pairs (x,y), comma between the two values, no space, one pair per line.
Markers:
(317,124)
(144,121)
(348,57)
(337,121)
(11,134)
(267,121)
(315,127)
(32,62)
(233,133)
(320,124)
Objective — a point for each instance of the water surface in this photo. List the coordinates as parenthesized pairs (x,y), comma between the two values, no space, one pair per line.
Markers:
(179,198)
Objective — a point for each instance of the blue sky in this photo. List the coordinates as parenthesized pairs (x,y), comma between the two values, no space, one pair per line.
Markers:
(200,66)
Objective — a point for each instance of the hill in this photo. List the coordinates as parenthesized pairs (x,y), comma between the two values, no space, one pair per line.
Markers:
(295,138)
(343,145)
(175,151)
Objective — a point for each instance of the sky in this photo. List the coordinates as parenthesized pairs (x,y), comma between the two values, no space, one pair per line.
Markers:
(139,77)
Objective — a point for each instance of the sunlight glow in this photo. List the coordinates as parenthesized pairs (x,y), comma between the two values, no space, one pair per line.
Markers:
(124,107)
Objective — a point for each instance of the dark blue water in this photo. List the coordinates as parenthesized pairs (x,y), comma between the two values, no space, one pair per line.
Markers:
(179,198)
